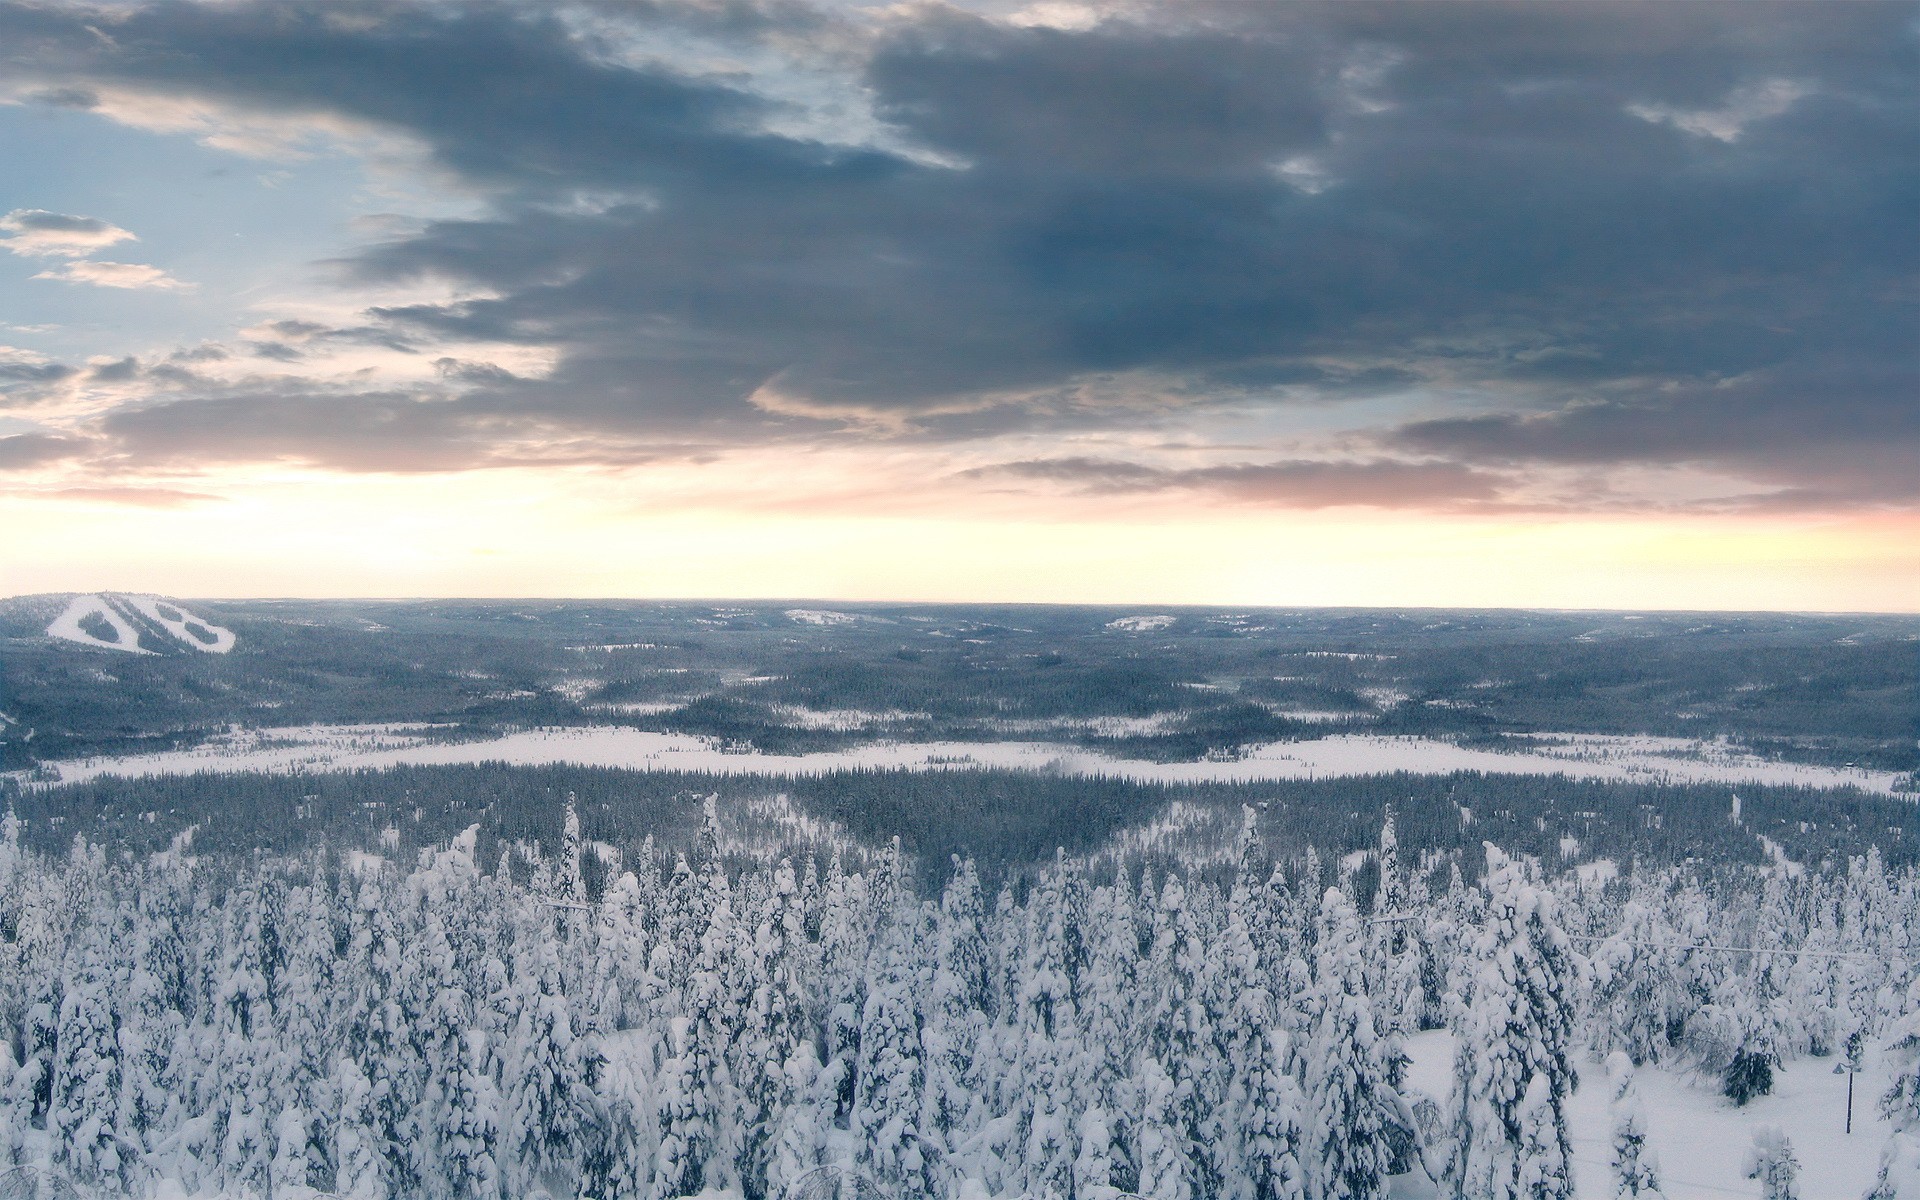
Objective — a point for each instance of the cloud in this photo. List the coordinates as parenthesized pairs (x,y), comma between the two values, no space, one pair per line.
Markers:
(1743,106)
(1846,432)
(24,450)
(403,432)
(1581,236)
(138,497)
(1299,483)
(132,276)
(37,232)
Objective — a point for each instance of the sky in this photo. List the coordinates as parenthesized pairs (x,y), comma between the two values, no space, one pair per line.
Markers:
(1473,304)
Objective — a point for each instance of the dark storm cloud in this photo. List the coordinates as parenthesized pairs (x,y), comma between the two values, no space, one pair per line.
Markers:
(1642,233)
(1304,483)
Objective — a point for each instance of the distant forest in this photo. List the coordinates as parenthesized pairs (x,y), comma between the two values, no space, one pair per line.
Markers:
(1005,820)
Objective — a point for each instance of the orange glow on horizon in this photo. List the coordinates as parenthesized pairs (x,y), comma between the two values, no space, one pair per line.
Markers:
(537,535)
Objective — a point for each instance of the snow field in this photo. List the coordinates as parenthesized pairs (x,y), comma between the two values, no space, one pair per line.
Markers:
(67,626)
(339,748)
(185,627)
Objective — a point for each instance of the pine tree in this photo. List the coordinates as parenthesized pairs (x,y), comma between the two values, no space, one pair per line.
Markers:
(1518,1025)
(356,1139)
(1771,1161)
(1546,1168)
(889,1076)
(956,1017)
(1274,1132)
(543,1074)
(686,1118)
(1180,1030)
(1347,1102)
(1165,1168)
(773,1027)
(1636,1169)
(83,1116)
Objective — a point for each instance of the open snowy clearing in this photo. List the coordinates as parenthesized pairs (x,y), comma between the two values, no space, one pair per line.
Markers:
(1698,1134)
(1142,624)
(340,748)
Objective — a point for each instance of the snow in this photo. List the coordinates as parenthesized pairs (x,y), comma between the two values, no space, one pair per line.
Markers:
(826,616)
(1598,872)
(840,720)
(66,626)
(1310,716)
(181,624)
(1699,1135)
(1106,727)
(1142,624)
(339,748)
(1778,854)
(177,621)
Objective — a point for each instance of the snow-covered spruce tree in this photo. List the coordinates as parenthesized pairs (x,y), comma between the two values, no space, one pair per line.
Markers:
(1636,1169)
(1347,1156)
(1393,966)
(1179,1029)
(1241,1011)
(1166,1170)
(1742,1041)
(1109,1040)
(890,1079)
(469,1128)
(357,1151)
(1518,1024)
(956,1016)
(844,944)
(1274,1134)
(684,1116)
(84,1118)
(241,1035)
(543,1071)
(1770,1160)
(618,1162)
(1629,972)
(304,1025)
(1546,1168)
(772,1027)
(378,1036)
(1900,1162)
(1043,1031)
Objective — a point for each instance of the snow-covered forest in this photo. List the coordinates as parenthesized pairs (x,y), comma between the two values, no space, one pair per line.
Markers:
(697,1025)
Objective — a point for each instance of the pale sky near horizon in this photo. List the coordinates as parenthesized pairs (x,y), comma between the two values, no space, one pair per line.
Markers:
(1538,305)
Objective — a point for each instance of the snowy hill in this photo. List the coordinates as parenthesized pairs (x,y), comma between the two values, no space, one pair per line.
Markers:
(137,625)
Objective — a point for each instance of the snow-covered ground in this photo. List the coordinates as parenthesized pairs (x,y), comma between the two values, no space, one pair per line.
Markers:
(336,748)
(67,626)
(185,627)
(1699,1135)
(1146,623)
(827,616)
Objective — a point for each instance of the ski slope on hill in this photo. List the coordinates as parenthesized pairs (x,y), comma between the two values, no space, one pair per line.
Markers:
(339,748)
(87,618)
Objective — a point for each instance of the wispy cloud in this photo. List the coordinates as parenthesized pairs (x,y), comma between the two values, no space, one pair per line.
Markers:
(132,276)
(37,232)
